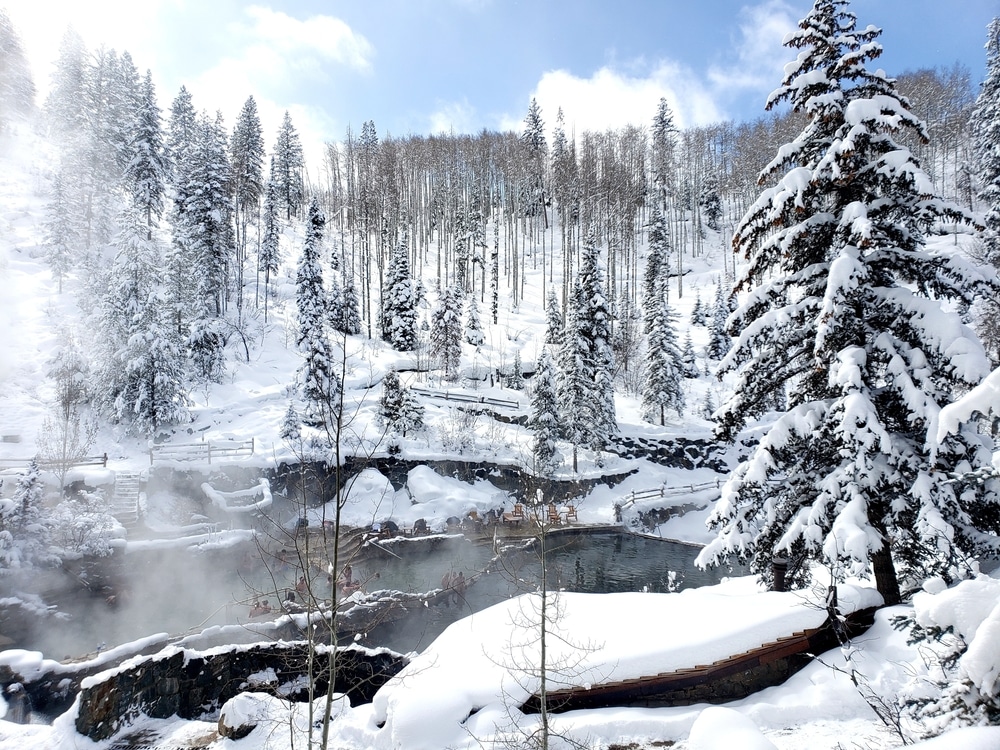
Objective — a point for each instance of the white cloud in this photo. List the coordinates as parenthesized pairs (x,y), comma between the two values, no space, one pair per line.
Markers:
(305,45)
(271,51)
(459,117)
(760,56)
(628,93)
(612,99)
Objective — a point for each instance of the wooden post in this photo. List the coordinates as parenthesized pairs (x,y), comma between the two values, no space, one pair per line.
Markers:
(779,568)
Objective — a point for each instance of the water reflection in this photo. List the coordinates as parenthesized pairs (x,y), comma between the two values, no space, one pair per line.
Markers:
(594,563)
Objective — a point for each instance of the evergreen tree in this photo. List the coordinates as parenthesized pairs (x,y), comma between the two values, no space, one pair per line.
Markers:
(142,374)
(574,380)
(399,303)
(202,223)
(146,171)
(269,257)
(246,156)
(515,381)
(17,88)
(318,379)
(473,328)
(182,134)
(287,166)
(446,332)
(64,106)
(180,266)
(711,203)
(985,124)
(719,342)
(398,409)
(848,313)
(553,319)
(595,325)
(664,369)
(544,418)
(664,143)
(533,139)
(352,312)
(25,534)
(698,315)
(689,363)
(61,237)
(654,287)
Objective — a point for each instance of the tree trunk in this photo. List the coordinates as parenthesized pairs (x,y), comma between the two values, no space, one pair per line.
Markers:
(886,580)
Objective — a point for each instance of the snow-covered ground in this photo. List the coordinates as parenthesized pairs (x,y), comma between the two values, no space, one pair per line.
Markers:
(461,689)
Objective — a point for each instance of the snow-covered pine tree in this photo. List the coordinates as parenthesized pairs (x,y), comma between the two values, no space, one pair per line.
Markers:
(146,170)
(654,287)
(17,88)
(664,370)
(269,255)
(208,212)
(352,313)
(594,318)
(24,531)
(336,315)
(664,142)
(985,125)
(286,168)
(719,342)
(180,266)
(398,409)
(515,381)
(574,378)
(553,319)
(473,328)
(204,241)
(65,116)
(399,302)
(544,418)
(446,332)
(711,203)
(688,361)
(848,312)
(698,316)
(60,230)
(246,156)
(318,379)
(533,138)
(141,370)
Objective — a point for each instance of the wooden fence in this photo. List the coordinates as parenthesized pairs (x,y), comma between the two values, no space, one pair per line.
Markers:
(101,460)
(663,491)
(466,398)
(203,451)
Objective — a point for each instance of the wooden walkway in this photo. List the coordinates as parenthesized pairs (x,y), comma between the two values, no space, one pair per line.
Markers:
(729,679)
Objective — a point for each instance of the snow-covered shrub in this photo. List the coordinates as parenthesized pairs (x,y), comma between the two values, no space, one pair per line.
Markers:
(84,527)
(958,629)
(24,526)
(457,431)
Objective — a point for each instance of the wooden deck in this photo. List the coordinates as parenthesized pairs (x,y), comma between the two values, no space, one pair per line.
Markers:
(764,666)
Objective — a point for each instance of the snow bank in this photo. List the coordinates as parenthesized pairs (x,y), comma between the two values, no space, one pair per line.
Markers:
(485,662)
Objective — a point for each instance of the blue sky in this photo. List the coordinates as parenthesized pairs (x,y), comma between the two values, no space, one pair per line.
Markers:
(423,66)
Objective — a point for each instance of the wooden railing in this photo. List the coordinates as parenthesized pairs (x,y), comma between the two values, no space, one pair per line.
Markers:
(101,460)
(203,451)
(663,491)
(466,398)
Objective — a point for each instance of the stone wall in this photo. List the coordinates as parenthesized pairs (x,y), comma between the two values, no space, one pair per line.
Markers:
(194,686)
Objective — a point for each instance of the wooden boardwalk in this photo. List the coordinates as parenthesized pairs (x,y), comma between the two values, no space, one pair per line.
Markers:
(725,680)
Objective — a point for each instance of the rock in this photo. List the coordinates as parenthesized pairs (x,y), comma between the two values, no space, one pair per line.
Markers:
(239,716)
